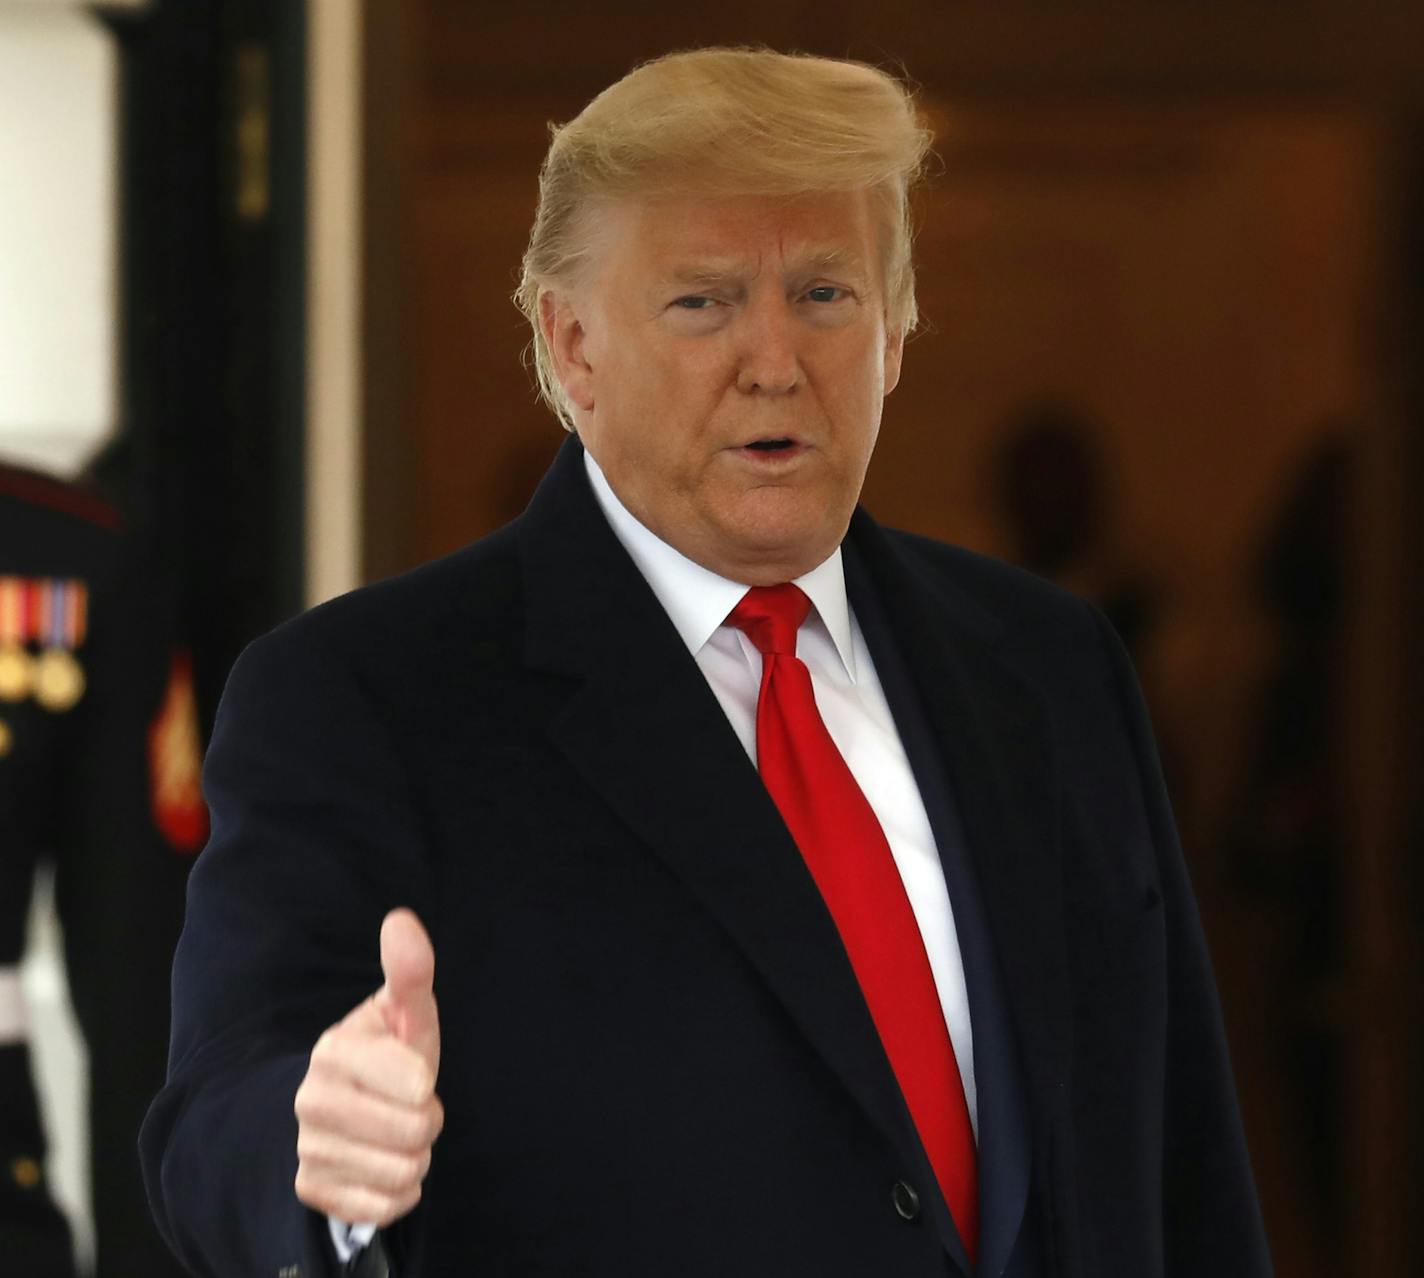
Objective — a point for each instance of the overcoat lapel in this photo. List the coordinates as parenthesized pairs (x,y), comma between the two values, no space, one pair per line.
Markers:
(991,729)
(646,733)
(1005,1147)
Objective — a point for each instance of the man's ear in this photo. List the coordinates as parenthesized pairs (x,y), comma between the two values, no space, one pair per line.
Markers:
(564,336)
(894,354)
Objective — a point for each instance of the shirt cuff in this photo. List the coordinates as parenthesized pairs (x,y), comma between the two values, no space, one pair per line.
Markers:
(349,1239)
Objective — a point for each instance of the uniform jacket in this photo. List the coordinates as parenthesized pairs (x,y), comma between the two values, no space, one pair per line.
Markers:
(655,1058)
(85,786)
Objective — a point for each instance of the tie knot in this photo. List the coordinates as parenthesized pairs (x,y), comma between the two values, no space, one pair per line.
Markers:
(771,616)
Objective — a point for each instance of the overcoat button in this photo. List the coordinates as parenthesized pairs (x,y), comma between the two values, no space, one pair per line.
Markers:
(907,1202)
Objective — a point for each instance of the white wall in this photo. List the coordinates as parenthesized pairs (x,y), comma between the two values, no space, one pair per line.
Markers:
(58,341)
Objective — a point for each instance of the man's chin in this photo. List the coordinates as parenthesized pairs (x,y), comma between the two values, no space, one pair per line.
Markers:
(783,543)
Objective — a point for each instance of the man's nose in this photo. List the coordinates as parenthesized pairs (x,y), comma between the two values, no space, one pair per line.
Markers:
(770,359)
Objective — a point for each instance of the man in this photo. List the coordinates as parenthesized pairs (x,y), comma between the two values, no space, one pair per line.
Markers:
(785,896)
(99,780)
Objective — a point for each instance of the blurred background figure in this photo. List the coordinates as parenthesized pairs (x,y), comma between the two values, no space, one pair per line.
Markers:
(1289,839)
(1048,479)
(99,783)
(1055,491)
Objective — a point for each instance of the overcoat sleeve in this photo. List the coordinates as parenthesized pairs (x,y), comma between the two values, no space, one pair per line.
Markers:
(1211,1220)
(314,837)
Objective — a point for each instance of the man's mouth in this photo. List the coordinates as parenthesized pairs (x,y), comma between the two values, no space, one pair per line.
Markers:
(772,445)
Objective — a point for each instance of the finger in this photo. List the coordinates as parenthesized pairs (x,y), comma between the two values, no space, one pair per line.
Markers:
(383,1065)
(343,1110)
(407,1000)
(366,1020)
(347,1202)
(407,958)
(347,1162)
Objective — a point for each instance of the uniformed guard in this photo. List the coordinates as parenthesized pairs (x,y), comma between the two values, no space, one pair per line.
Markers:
(99,774)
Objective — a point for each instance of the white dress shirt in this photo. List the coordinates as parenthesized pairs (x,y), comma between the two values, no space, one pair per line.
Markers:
(852,704)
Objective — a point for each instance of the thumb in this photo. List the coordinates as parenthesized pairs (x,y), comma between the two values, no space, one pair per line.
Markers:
(408,997)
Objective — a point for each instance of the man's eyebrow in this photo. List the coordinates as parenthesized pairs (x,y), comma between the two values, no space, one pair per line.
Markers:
(833,259)
(710,273)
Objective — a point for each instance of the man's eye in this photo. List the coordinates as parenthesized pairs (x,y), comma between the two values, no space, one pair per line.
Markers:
(825,293)
(693,303)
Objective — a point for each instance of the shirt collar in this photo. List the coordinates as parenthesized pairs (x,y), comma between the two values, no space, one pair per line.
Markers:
(695,598)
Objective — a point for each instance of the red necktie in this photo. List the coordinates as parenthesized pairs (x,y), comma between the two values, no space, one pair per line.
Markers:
(846,851)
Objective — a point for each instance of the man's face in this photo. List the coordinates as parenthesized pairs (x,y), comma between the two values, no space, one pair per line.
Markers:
(728,360)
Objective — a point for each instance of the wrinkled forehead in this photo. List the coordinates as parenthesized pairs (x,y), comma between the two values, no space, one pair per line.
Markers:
(696,237)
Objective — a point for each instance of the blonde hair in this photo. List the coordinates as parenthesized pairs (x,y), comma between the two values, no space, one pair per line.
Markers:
(727,121)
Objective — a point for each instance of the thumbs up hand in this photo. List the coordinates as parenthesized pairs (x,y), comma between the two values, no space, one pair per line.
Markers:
(367,1113)
(407,999)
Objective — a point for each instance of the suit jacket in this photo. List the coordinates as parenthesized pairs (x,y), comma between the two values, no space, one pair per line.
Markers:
(655,1056)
